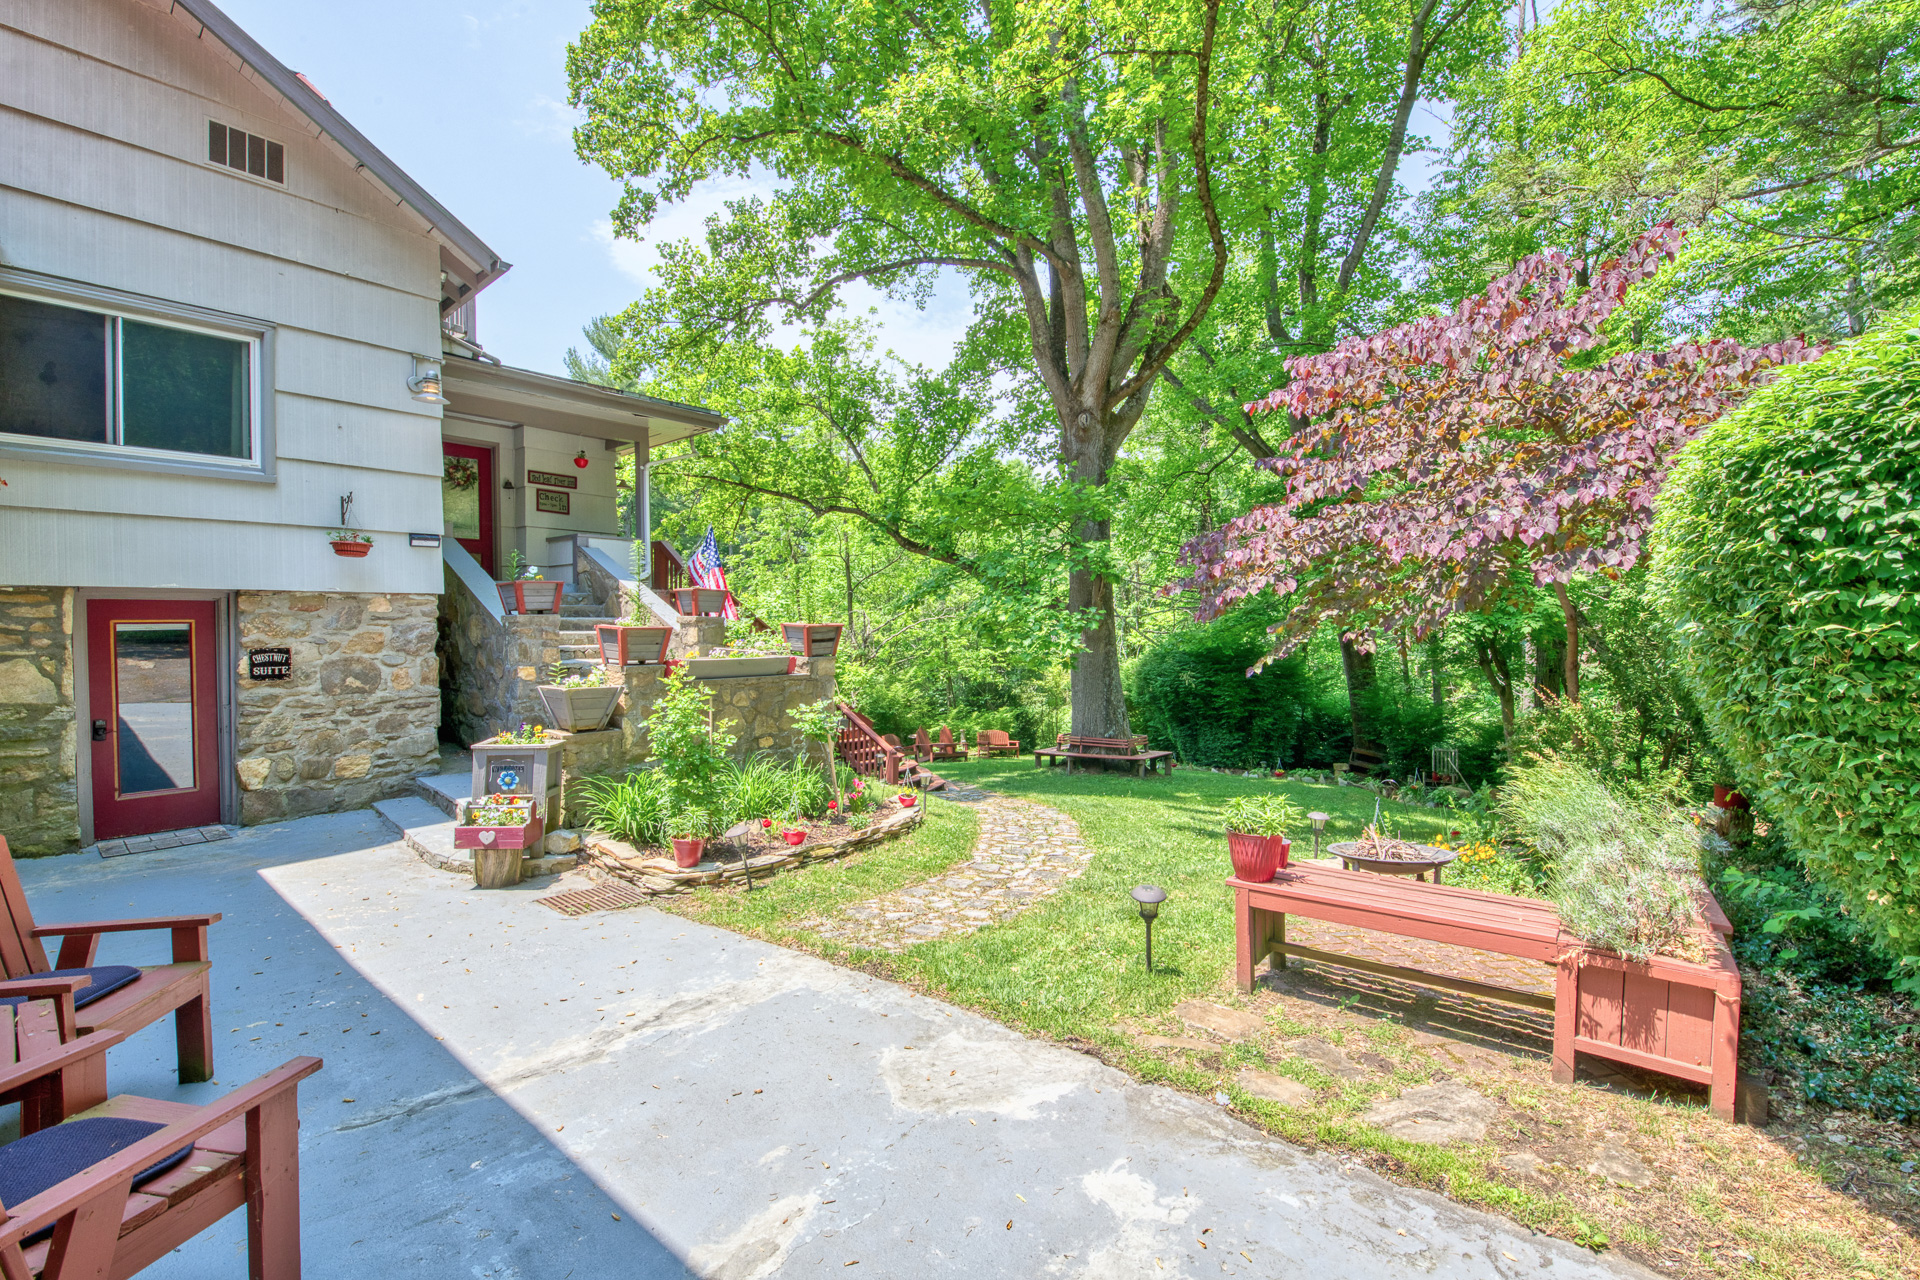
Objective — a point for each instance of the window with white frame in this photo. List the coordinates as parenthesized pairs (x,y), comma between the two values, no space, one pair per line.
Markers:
(106,379)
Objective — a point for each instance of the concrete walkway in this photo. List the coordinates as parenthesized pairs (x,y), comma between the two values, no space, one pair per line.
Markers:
(511,1093)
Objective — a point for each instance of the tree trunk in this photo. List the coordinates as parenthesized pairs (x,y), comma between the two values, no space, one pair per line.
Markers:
(1572,657)
(1549,666)
(1493,663)
(1099,703)
(1358,667)
(846,563)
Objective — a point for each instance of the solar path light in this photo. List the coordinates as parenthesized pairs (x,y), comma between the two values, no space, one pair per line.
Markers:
(1149,897)
(1319,821)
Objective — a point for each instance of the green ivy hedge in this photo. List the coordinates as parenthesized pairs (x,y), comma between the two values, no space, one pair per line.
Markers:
(1787,555)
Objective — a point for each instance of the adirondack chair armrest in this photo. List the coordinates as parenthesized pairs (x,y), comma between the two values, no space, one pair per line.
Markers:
(80,940)
(109,1180)
(74,1050)
(58,990)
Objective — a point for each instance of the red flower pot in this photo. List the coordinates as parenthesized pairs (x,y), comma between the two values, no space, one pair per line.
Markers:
(906,802)
(794,838)
(688,850)
(352,548)
(1256,858)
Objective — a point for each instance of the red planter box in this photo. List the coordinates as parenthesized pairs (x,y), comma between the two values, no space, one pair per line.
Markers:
(696,601)
(530,595)
(522,837)
(813,639)
(624,646)
(1674,1016)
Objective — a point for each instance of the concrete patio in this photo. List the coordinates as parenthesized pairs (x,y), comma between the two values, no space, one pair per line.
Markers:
(511,1093)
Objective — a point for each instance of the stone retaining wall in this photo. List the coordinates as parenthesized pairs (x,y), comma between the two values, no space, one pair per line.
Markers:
(359,717)
(609,859)
(494,665)
(39,796)
(755,709)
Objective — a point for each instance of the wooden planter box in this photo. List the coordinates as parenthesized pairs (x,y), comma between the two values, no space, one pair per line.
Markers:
(509,769)
(535,595)
(624,646)
(525,836)
(1669,1015)
(580,710)
(696,601)
(813,639)
(726,668)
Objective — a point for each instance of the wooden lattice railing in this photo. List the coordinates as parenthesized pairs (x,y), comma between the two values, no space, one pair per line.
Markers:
(865,750)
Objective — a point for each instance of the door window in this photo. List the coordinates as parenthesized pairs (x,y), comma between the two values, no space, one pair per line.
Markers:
(153,676)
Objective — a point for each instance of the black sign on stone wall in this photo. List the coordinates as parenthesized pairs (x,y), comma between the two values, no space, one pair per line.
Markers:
(269,664)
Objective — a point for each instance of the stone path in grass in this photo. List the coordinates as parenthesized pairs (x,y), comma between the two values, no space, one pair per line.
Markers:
(1023,853)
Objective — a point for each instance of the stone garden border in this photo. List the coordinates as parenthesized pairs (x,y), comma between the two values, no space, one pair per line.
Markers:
(654,875)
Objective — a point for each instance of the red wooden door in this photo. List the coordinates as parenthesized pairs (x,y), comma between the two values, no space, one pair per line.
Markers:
(153,704)
(467,498)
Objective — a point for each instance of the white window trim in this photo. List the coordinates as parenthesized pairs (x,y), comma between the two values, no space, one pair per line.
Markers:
(257,334)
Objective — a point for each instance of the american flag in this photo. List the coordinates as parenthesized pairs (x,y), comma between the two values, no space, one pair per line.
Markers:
(704,565)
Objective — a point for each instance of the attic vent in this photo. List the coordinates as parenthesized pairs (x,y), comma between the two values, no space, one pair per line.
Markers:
(246,152)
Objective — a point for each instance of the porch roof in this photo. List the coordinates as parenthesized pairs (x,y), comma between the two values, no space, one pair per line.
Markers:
(499,392)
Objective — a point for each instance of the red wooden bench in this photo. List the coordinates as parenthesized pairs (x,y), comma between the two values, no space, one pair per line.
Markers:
(179,988)
(1128,751)
(993,742)
(1669,1015)
(111,1220)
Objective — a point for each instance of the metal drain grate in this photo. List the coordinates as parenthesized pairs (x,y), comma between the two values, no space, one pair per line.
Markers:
(602,897)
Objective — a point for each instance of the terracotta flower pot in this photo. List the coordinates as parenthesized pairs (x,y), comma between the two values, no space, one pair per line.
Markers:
(1256,858)
(351,547)
(794,838)
(688,850)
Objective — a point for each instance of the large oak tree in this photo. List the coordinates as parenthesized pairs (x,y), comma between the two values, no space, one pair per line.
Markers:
(1066,158)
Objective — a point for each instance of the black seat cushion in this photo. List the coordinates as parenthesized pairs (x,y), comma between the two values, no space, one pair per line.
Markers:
(106,978)
(40,1160)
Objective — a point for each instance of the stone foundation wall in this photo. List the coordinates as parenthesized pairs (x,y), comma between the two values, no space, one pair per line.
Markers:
(755,709)
(39,796)
(358,718)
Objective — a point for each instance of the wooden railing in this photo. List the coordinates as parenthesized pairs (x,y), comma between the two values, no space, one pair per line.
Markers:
(669,570)
(865,750)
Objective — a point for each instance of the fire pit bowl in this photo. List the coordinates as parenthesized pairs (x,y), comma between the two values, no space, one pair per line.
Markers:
(1415,867)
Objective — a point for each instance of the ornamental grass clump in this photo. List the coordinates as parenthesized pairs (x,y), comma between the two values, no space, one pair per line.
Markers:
(1624,866)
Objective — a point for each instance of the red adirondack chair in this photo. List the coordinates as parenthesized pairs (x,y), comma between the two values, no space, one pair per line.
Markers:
(118,997)
(945,748)
(163,1173)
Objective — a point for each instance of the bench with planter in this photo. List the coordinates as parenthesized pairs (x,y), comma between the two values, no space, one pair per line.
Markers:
(1670,1015)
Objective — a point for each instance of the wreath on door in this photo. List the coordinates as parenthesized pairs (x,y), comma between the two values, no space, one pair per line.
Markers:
(460,473)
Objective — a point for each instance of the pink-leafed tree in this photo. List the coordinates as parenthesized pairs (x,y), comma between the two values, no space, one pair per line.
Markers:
(1444,459)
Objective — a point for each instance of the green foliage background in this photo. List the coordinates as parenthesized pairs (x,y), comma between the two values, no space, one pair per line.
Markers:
(1786,561)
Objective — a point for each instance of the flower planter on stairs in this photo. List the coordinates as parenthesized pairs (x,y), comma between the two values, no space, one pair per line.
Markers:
(581,710)
(530,595)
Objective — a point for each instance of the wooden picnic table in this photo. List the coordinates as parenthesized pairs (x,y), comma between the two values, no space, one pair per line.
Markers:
(1128,751)
(1674,1016)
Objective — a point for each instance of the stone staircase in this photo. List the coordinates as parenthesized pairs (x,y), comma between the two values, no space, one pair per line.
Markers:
(579,646)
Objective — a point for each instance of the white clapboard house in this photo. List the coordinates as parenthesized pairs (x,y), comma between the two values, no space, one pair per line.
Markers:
(223,312)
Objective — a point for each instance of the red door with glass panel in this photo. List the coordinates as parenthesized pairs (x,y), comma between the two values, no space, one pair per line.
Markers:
(153,676)
(466,498)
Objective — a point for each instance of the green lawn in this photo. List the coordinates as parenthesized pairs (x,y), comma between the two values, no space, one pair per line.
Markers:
(1070,968)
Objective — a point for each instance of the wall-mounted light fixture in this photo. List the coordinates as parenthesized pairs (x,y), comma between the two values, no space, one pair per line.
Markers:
(425,382)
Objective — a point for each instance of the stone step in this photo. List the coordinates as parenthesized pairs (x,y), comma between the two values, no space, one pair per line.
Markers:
(445,791)
(428,831)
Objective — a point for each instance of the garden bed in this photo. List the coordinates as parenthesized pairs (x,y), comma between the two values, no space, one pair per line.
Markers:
(754,851)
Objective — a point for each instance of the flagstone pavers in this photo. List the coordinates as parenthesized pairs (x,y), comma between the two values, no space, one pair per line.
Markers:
(1023,853)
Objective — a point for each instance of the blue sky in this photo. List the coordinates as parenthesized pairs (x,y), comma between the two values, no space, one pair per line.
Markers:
(470,98)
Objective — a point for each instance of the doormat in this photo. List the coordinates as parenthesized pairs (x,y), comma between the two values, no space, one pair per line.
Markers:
(161,840)
(601,897)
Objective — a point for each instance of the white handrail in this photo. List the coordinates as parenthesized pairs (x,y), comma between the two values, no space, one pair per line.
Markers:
(475,579)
